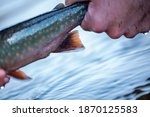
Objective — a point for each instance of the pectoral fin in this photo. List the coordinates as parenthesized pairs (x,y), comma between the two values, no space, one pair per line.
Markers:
(19,75)
(72,42)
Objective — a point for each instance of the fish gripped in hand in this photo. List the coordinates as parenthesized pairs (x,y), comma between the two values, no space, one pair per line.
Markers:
(36,38)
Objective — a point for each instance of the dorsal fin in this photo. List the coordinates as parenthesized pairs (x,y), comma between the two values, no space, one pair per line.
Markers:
(59,6)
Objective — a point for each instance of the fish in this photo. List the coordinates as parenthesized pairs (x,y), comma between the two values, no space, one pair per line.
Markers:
(34,39)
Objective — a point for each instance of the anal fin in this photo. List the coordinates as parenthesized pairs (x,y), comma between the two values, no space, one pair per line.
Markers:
(72,42)
(19,75)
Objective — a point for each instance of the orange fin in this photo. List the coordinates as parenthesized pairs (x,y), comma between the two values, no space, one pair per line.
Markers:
(72,42)
(19,75)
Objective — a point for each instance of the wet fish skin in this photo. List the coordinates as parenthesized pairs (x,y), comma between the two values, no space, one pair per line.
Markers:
(34,39)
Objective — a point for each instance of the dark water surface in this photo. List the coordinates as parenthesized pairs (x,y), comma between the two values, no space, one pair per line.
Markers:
(106,69)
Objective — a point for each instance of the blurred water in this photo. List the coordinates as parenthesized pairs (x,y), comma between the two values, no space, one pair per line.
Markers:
(106,69)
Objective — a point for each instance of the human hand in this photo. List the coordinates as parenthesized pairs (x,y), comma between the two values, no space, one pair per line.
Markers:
(117,17)
(3,78)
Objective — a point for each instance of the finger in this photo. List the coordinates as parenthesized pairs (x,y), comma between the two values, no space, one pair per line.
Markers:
(6,79)
(132,31)
(3,78)
(129,35)
(144,26)
(86,25)
(2,73)
(141,27)
(68,2)
(90,19)
(114,32)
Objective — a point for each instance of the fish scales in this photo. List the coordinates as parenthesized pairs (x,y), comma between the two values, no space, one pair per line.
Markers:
(25,42)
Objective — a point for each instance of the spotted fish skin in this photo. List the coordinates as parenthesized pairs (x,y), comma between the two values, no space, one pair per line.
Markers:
(36,38)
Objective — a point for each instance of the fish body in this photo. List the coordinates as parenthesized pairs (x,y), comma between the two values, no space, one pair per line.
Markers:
(36,38)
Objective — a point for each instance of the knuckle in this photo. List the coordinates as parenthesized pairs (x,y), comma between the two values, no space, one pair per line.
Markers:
(96,29)
(114,33)
(131,33)
(98,26)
